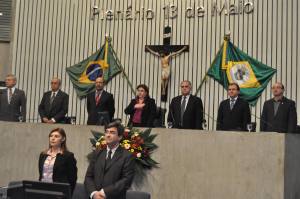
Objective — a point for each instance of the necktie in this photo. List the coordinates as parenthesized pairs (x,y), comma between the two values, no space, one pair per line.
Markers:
(9,95)
(97,98)
(108,159)
(52,98)
(109,155)
(183,108)
(232,101)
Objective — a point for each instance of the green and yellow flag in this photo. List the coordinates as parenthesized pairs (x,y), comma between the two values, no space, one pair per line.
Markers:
(102,63)
(233,65)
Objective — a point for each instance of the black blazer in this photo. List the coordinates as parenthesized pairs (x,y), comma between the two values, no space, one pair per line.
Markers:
(193,114)
(235,119)
(115,178)
(107,103)
(285,120)
(58,109)
(148,112)
(16,108)
(64,169)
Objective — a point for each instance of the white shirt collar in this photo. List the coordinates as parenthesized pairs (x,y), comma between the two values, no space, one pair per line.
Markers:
(186,97)
(100,92)
(235,98)
(12,89)
(112,150)
(54,92)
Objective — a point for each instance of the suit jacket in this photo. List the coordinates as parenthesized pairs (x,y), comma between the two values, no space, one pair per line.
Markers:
(148,112)
(193,114)
(107,103)
(285,120)
(64,169)
(16,108)
(58,109)
(115,178)
(235,119)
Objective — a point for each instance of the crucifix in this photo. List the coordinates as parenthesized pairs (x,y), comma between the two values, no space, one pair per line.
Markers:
(165,52)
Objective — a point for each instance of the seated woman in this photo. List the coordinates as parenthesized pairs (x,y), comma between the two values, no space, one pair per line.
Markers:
(56,163)
(142,109)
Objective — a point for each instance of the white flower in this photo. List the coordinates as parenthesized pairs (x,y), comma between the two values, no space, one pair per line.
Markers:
(138,155)
(127,130)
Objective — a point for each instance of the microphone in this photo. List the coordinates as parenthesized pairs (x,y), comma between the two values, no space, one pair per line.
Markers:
(210,117)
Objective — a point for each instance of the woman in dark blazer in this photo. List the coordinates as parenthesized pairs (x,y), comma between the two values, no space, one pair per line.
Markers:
(142,109)
(57,164)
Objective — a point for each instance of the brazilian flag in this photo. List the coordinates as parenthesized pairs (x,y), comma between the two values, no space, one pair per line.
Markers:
(233,65)
(103,63)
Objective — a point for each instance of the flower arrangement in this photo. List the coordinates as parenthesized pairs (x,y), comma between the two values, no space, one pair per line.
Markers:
(138,142)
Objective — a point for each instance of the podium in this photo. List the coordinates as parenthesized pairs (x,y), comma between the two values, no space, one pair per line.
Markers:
(194,164)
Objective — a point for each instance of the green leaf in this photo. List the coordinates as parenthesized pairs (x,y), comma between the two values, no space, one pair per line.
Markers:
(96,134)
(93,141)
(150,138)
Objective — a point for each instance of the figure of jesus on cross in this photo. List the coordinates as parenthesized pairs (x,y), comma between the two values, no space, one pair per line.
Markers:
(165,53)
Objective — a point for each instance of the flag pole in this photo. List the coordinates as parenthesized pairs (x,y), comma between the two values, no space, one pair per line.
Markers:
(227,38)
(123,71)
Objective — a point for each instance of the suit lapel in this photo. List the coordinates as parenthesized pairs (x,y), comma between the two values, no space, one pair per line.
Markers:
(280,107)
(178,105)
(55,98)
(5,97)
(102,98)
(58,160)
(14,95)
(236,104)
(188,105)
(116,156)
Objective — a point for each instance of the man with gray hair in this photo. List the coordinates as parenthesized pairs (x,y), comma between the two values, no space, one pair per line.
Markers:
(54,104)
(12,101)
(186,110)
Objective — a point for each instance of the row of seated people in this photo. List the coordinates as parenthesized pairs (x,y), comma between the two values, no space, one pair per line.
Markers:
(185,111)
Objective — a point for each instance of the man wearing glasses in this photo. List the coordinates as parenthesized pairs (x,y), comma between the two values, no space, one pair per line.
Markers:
(186,110)
(279,113)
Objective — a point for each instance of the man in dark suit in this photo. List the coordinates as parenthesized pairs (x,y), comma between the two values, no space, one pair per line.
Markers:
(186,110)
(233,113)
(99,101)
(12,101)
(279,113)
(54,104)
(111,170)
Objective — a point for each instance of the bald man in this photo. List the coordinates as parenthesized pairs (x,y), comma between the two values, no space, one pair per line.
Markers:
(279,113)
(99,101)
(186,110)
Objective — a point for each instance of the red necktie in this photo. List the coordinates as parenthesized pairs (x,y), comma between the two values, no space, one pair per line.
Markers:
(97,98)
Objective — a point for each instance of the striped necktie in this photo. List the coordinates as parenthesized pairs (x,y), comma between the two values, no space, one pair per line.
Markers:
(9,95)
